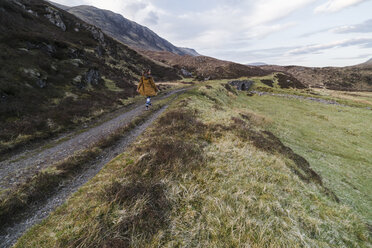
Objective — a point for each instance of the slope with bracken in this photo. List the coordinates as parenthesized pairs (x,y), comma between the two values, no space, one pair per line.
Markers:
(207,67)
(350,78)
(57,71)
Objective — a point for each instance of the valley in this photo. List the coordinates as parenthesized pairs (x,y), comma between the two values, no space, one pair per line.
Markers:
(229,154)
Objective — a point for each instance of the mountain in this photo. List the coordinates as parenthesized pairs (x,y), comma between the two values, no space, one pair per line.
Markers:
(64,7)
(57,71)
(126,31)
(189,51)
(206,67)
(257,64)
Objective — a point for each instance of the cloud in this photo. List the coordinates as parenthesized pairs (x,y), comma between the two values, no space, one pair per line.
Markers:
(152,18)
(365,27)
(337,5)
(318,48)
(228,23)
(272,10)
(360,56)
(135,7)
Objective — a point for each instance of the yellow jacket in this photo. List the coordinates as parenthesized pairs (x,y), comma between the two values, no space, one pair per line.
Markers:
(147,87)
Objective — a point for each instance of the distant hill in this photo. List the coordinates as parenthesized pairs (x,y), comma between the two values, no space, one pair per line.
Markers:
(57,71)
(257,64)
(206,67)
(350,78)
(126,31)
(64,7)
(189,51)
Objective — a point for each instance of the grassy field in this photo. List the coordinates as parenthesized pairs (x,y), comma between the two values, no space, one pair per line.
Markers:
(223,169)
(336,140)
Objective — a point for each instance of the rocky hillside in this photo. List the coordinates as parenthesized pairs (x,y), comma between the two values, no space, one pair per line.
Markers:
(126,31)
(57,71)
(358,77)
(204,67)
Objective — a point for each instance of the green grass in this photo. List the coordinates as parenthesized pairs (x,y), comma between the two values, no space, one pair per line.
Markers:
(208,174)
(337,141)
(110,84)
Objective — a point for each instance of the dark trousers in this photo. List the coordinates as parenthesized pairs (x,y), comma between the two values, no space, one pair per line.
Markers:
(148,101)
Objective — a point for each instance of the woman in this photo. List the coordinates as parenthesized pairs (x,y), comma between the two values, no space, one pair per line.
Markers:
(147,87)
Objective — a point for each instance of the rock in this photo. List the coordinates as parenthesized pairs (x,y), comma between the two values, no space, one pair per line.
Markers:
(31,45)
(186,73)
(54,67)
(242,84)
(41,83)
(92,77)
(76,29)
(55,18)
(76,62)
(3,97)
(32,13)
(74,53)
(19,4)
(77,81)
(97,34)
(33,73)
(100,50)
(50,49)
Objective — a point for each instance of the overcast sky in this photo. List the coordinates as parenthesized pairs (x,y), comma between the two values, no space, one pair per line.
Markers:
(284,32)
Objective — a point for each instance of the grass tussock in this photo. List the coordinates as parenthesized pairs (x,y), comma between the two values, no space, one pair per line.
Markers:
(137,203)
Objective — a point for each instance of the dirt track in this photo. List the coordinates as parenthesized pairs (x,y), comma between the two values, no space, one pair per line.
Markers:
(23,167)
(17,168)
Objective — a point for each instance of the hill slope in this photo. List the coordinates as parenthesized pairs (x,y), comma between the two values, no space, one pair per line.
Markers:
(126,31)
(350,78)
(207,67)
(57,71)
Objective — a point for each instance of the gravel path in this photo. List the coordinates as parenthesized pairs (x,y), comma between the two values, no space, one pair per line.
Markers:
(41,210)
(21,166)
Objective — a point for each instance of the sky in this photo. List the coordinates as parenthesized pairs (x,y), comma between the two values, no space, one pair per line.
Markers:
(284,32)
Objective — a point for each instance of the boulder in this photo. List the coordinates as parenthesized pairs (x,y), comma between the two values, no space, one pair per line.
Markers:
(47,48)
(32,73)
(54,17)
(76,62)
(92,77)
(77,81)
(41,83)
(244,85)
(186,73)
(100,51)
(3,97)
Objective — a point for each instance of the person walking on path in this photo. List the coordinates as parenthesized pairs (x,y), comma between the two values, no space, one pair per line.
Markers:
(147,87)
